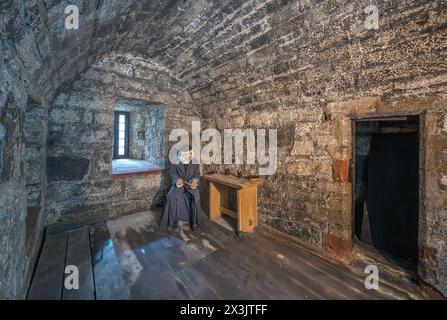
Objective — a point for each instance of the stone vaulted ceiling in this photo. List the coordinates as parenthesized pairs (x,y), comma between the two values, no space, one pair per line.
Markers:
(182,35)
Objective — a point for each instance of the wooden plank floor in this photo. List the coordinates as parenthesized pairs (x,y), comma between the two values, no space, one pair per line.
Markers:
(91,250)
(131,258)
(79,255)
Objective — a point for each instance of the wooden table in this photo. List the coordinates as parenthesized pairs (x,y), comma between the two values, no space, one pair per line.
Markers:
(246,199)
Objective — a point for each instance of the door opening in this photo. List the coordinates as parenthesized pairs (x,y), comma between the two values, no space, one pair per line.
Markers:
(386,185)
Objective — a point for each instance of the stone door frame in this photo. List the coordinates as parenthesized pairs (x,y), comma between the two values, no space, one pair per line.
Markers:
(432,112)
(341,116)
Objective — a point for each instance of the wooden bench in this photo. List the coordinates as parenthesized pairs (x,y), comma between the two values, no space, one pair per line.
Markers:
(246,199)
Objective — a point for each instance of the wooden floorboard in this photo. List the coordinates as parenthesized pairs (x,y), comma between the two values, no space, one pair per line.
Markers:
(157,280)
(218,233)
(348,283)
(145,274)
(79,255)
(48,279)
(109,282)
(265,265)
(278,281)
(131,257)
(152,260)
(179,253)
(297,267)
(198,286)
(222,279)
(236,274)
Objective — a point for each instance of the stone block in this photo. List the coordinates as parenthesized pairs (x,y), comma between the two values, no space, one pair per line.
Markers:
(302,148)
(340,170)
(2,135)
(428,253)
(87,117)
(308,114)
(443,182)
(64,116)
(67,168)
(359,106)
(105,118)
(341,247)
(303,168)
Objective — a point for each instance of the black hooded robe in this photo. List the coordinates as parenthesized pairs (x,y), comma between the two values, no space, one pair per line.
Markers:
(182,204)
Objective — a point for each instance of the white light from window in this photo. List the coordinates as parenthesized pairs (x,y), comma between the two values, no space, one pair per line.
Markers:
(122,135)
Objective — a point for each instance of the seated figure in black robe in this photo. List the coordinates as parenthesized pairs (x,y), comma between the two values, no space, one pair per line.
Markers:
(183,199)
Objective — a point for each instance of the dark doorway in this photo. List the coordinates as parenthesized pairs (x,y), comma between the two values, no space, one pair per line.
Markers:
(386,196)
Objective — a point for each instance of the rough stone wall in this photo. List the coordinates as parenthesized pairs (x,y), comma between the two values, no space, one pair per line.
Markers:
(14,258)
(36,125)
(155,146)
(256,63)
(35,131)
(138,122)
(80,139)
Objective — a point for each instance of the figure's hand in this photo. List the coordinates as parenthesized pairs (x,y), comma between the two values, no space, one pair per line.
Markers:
(194,184)
(180,183)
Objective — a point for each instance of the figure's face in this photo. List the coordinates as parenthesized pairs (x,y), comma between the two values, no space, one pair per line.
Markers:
(186,157)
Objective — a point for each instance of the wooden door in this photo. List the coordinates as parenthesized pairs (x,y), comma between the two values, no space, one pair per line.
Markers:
(392,198)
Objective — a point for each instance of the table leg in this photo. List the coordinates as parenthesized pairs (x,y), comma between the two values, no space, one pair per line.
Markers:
(214,205)
(247,209)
